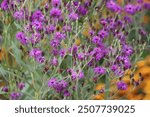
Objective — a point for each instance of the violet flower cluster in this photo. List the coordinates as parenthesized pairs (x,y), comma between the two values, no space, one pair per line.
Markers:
(49,35)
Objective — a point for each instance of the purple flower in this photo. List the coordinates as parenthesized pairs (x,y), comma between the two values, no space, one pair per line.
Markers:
(127,50)
(54,61)
(146,5)
(139,1)
(99,70)
(80,56)
(62,52)
(114,67)
(4,5)
(96,40)
(35,38)
(15,95)
(63,84)
(81,75)
(37,25)
(103,34)
(121,85)
(113,6)
(55,12)
(40,59)
(128,19)
(19,15)
(82,10)
(73,16)
(22,38)
(54,42)
(37,15)
(130,9)
(35,52)
(50,29)
(142,32)
(67,93)
(52,82)
(55,3)
(59,36)
(67,28)
(74,75)
(5,89)
(21,85)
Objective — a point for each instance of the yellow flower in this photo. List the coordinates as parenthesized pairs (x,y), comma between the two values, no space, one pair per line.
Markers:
(77,41)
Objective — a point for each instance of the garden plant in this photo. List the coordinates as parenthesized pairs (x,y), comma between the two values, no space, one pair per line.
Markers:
(64,49)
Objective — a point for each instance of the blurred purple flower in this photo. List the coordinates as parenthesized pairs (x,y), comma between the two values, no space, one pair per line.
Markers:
(121,85)
(99,70)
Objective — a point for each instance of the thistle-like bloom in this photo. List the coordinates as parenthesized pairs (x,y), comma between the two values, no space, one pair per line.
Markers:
(5,89)
(121,85)
(96,39)
(21,85)
(4,5)
(99,70)
(113,6)
(37,25)
(130,9)
(22,38)
(37,15)
(55,12)
(15,95)
(73,16)
(81,75)
(52,82)
(54,61)
(103,33)
(19,15)
(55,3)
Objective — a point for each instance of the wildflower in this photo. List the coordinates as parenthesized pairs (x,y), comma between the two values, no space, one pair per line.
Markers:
(80,56)
(15,95)
(50,29)
(127,50)
(22,38)
(4,5)
(139,1)
(37,15)
(54,42)
(35,52)
(96,40)
(59,36)
(74,75)
(114,67)
(52,82)
(55,3)
(81,75)
(21,85)
(36,38)
(66,93)
(55,12)
(82,10)
(37,25)
(121,85)
(62,52)
(103,34)
(54,61)
(146,5)
(63,84)
(99,70)
(5,89)
(73,16)
(130,9)
(40,59)
(19,15)
(113,6)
